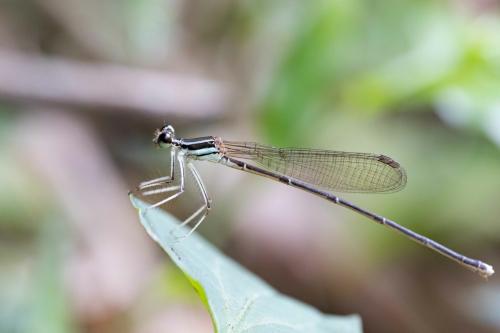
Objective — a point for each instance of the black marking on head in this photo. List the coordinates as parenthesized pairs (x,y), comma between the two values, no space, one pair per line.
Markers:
(164,135)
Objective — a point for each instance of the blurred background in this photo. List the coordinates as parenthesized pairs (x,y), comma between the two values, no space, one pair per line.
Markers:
(83,85)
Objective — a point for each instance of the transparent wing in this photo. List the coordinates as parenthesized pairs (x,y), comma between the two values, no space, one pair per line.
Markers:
(332,170)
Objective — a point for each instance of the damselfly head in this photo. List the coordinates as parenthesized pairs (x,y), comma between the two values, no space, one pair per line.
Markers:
(164,136)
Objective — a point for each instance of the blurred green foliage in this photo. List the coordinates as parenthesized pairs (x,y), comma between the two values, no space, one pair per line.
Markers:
(376,57)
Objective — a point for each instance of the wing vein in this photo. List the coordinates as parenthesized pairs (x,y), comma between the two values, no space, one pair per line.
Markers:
(331,170)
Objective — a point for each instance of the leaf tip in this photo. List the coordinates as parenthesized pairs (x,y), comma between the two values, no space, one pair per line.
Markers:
(135,202)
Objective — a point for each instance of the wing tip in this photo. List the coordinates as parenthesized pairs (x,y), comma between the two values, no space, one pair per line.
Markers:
(401,183)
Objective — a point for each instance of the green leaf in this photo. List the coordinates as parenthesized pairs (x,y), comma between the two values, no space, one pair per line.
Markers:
(238,301)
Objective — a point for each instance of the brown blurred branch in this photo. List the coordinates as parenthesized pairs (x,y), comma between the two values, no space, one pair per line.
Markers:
(108,87)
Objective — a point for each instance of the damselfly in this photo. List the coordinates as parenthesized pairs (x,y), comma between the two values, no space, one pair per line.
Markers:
(311,170)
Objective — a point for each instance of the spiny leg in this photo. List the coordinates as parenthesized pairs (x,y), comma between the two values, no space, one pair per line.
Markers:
(190,218)
(154,182)
(205,208)
(161,190)
(161,180)
(181,161)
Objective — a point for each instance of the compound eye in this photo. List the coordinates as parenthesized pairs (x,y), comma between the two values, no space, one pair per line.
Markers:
(166,137)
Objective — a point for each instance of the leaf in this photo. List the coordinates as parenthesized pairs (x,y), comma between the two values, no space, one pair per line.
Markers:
(238,300)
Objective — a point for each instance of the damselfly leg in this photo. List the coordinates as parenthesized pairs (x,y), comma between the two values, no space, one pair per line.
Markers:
(161,190)
(178,188)
(161,180)
(203,210)
(200,214)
